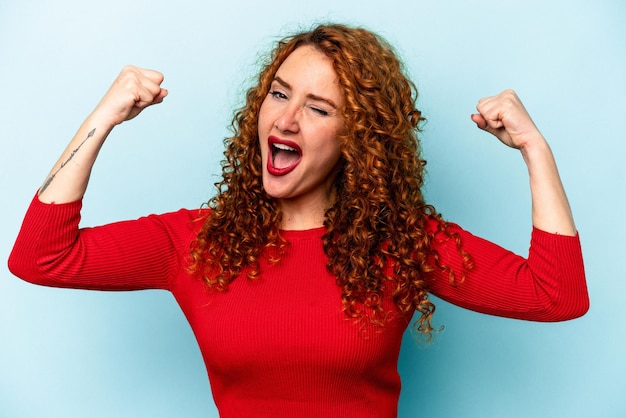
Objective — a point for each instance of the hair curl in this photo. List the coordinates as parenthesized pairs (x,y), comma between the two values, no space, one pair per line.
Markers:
(378,219)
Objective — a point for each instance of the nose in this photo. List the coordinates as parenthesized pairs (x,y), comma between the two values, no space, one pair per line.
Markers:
(289,120)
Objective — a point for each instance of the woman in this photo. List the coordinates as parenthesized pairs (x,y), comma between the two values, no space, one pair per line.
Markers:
(301,277)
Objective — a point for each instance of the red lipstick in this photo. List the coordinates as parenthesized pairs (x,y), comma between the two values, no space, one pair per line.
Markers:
(283,156)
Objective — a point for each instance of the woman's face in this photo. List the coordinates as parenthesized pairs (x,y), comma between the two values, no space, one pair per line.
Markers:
(298,125)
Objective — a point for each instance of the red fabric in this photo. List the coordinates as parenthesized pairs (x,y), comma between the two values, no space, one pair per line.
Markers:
(281,346)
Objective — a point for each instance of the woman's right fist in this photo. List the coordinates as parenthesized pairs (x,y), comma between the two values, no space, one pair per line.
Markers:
(133,90)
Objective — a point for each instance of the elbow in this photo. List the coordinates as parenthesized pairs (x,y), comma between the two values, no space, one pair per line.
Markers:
(574,313)
(585,304)
(54,268)
(18,267)
(575,301)
(23,264)
(581,309)
(15,267)
(569,308)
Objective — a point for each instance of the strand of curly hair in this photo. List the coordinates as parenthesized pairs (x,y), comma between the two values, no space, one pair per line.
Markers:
(378,219)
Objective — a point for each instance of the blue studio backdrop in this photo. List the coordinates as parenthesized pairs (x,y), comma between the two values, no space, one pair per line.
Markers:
(68,353)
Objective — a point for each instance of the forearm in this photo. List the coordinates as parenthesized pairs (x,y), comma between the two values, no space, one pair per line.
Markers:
(550,208)
(67,181)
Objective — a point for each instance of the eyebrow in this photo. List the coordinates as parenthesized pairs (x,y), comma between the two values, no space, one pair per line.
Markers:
(310,95)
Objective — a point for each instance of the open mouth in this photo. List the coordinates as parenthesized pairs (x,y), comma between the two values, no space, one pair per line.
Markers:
(283,157)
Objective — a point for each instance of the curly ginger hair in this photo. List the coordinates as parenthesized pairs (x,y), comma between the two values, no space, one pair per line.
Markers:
(378,218)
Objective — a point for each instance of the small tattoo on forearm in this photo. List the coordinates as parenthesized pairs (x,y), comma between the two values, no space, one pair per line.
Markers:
(47,183)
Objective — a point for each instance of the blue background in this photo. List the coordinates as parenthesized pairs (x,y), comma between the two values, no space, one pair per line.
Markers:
(67,353)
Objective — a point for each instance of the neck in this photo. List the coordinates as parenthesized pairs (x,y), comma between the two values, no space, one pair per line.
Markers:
(295,220)
(299,215)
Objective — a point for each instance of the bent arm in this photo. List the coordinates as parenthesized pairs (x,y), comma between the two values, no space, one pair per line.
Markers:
(50,249)
(550,284)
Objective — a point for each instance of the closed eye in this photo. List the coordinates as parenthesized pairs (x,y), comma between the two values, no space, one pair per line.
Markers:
(320,111)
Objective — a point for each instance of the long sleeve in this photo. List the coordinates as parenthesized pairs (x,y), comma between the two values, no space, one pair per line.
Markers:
(549,285)
(51,250)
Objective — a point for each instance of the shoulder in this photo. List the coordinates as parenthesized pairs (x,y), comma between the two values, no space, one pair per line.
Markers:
(440,229)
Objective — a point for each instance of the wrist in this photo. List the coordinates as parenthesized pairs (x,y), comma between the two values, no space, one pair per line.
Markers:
(535,149)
